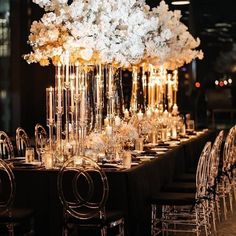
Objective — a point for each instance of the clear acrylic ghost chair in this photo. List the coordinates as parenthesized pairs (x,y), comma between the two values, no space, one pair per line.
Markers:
(41,138)
(6,147)
(22,141)
(213,180)
(227,184)
(83,191)
(184,212)
(12,219)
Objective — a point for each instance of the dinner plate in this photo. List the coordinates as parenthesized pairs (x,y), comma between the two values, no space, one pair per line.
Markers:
(134,163)
(16,159)
(173,143)
(145,157)
(137,152)
(111,165)
(24,165)
(160,149)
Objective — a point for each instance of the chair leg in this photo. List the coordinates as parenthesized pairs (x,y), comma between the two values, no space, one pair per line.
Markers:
(10,229)
(205,219)
(197,222)
(231,198)
(214,216)
(104,231)
(121,229)
(164,226)
(234,189)
(224,205)
(217,206)
(153,220)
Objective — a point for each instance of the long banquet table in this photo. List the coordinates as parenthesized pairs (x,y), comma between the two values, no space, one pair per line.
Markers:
(129,188)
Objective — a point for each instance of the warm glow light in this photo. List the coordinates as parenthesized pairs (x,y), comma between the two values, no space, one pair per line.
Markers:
(176,2)
(225,82)
(221,83)
(197,85)
(216,82)
(230,81)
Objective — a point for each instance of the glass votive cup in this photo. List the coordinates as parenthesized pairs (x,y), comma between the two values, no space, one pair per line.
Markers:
(139,144)
(164,135)
(190,125)
(127,159)
(29,154)
(47,159)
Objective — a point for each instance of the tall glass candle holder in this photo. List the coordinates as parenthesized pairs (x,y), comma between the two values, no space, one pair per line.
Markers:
(50,104)
(71,101)
(99,96)
(109,70)
(59,98)
(137,97)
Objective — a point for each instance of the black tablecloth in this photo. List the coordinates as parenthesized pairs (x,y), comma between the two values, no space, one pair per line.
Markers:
(129,189)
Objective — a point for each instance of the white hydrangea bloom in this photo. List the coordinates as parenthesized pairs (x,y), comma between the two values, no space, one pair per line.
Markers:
(121,31)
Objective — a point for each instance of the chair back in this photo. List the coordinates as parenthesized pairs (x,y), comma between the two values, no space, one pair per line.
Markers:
(6,147)
(7,186)
(40,138)
(229,149)
(214,160)
(83,188)
(22,141)
(201,184)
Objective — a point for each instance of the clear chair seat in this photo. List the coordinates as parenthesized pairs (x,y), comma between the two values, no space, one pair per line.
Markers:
(16,215)
(173,198)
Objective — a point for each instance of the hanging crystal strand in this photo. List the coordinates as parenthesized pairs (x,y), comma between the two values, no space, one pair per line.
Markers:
(137,99)
(50,114)
(134,103)
(163,87)
(118,94)
(110,94)
(175,86)
(90,94)
(72,104)
(169,92)
(157,89)
(59,105)
(82,108)
(76,97)
(98,96)
(145,86)
(151,86)
(67,88)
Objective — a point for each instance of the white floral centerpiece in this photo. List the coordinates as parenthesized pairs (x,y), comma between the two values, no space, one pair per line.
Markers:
(100,31)
(176,44)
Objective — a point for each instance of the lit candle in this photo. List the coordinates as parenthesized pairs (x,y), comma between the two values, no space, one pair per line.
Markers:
(117,121)
(165,113)
(67,61)
(140,115)
(72,91)
(156,112)
(175,110)
(82,105)
(174,132)
(59,95)
(76,78)
(50,104)
(126,113)
(149,113)
(110,82)
(108,130)
(98,78)
(106,121)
